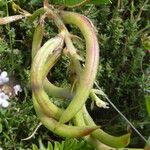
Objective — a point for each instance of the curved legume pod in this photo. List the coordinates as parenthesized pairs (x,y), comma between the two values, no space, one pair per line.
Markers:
(62,130)
(48,55)
(91,64)
(101,146)
(78,120)
(105,138)
(37,38)
(83,118)
(42,107)
(38,67)
(59,92)
(116,142)
(50,89)
(37,76)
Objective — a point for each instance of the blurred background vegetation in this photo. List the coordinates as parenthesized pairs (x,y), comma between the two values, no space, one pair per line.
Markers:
(123,30)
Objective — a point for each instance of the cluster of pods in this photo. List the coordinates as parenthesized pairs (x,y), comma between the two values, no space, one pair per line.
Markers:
(74,121)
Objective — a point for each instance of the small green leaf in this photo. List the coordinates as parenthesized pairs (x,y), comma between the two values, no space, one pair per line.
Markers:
(34,147)
(147,100)
(68,144)
(99,2)
(57,146)
(76,3)
(50,146)
(42,147)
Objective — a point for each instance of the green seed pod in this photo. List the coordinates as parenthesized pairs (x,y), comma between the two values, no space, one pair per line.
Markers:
(78,120)
(112,141)
(51,49)
(62,130)
(37,38)
(50,89)
(58,92)
(91,64)
(45,109)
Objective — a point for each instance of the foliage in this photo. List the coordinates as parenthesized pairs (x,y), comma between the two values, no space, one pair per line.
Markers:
(124,62)
(68,144)
(16,123)
(147,99)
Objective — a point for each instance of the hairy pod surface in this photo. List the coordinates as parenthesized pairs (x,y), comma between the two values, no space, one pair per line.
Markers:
(91,64)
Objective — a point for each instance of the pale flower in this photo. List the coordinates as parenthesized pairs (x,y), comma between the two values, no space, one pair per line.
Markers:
(4,77)
(17,88)
(4,100)
(5,104)
(97,100)
(102,104)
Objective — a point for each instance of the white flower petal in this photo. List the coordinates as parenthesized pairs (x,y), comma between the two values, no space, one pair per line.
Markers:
(1,101)
(3,96)
(4,74)
(1,82)
(5,104)
(17,88)
(5,80)
(102,104)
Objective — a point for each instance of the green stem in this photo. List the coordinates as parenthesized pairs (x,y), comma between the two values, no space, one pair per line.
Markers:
(36,13)
(79,4)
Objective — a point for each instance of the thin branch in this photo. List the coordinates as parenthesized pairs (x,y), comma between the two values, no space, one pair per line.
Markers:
(34,132)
